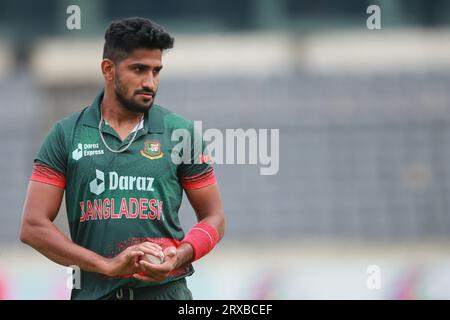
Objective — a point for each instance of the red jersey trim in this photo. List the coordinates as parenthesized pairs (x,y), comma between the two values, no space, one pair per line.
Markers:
(46,174)
(199,181)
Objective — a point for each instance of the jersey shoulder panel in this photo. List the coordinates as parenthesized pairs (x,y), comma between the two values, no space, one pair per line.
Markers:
(173,120)
(68,123)
(54,150)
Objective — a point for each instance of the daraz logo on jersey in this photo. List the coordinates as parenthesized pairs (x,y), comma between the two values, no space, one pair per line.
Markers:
(86,150)
(117,182)
(97,186)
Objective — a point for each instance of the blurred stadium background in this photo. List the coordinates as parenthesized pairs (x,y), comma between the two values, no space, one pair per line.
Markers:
(364,137)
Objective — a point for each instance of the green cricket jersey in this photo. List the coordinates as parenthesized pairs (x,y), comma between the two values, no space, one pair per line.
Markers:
(117,200)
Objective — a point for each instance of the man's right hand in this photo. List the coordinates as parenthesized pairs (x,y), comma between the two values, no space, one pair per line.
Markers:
(38,231)
(127,262)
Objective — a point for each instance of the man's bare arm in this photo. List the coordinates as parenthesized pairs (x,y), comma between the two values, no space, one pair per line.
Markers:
(208,206)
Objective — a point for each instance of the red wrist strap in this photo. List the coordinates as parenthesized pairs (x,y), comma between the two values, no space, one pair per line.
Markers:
(203,238)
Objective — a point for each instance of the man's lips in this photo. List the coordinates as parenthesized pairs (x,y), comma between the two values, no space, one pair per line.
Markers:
(146,94)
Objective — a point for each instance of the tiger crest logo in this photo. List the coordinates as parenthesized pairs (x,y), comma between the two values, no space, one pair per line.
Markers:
(152,150)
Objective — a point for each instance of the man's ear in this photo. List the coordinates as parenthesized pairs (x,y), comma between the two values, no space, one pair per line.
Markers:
(108,69)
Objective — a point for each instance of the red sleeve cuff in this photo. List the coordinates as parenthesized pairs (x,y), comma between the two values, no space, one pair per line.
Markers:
(46,174)
(199,181)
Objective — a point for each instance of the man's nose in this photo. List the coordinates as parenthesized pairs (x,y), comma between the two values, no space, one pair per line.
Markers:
(149,82)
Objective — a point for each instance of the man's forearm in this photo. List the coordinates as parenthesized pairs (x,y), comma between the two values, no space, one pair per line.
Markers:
(51,242)
(185,254)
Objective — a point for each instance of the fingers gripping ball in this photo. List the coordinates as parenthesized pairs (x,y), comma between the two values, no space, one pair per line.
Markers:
(154,259)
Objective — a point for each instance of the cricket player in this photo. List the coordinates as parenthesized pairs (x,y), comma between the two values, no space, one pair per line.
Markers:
(116,161)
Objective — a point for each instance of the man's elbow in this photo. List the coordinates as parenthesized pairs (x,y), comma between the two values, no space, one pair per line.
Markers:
(24,235)
(221,226)
(27,233)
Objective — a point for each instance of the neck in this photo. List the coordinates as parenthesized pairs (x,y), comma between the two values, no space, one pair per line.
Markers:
(115,114)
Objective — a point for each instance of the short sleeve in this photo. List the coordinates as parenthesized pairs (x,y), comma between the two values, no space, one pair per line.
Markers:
(198,171)
(53,152)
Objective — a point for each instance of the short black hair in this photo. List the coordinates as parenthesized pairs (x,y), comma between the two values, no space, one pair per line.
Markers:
(123,36)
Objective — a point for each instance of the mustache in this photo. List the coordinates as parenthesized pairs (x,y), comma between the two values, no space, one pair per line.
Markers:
(145,90)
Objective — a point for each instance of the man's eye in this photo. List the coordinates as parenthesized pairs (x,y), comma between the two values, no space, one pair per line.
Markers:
(138,69)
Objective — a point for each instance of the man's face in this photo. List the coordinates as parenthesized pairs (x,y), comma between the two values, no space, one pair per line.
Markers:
(137,78)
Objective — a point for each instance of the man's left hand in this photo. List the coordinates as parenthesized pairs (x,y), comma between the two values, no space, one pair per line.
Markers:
(158,272)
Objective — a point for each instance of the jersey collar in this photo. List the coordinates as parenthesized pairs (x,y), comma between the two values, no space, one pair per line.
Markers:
(154,119)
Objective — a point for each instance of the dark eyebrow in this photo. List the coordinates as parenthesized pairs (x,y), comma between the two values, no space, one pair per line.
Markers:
(139,65)
(144,66)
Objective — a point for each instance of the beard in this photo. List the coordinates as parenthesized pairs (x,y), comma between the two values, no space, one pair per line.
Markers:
(132,104)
